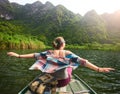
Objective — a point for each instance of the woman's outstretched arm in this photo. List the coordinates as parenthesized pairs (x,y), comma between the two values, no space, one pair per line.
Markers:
(89,65)
(21,56)
(98,69)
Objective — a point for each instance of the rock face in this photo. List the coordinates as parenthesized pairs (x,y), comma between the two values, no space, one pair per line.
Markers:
(10,11)
(5,10)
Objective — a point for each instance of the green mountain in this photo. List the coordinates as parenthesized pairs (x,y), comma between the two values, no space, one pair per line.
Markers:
(112,22)
(42,22)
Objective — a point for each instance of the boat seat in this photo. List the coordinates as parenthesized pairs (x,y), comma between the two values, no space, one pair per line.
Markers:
(82,92)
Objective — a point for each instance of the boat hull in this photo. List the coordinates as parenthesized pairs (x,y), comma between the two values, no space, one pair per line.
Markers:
(76,86)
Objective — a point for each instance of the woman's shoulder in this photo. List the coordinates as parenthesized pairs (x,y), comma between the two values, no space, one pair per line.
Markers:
(49,51)
(67,52)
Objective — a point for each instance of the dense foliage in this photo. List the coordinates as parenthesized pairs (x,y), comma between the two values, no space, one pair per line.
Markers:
(12,38)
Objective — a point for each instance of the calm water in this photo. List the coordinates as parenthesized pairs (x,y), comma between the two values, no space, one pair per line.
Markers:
(14,73)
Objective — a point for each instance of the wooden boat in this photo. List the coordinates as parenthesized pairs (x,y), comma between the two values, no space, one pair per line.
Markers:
(76,86)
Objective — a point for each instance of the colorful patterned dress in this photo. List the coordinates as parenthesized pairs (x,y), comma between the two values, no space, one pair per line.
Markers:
(60,67)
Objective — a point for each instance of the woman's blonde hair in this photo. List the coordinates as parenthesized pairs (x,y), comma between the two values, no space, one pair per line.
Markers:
(58,42)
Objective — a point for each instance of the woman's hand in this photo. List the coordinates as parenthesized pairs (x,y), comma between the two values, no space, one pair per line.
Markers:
(13,54)
(105,69)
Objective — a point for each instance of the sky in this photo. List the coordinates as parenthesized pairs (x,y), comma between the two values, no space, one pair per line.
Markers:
(81,6)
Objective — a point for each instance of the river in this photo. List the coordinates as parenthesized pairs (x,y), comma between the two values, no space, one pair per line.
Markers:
(14,73)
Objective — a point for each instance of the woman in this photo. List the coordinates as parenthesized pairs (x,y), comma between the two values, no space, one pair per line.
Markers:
(59,62)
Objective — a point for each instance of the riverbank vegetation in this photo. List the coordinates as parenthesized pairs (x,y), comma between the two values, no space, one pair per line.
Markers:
(16,41)
(96,46)
(19,42)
